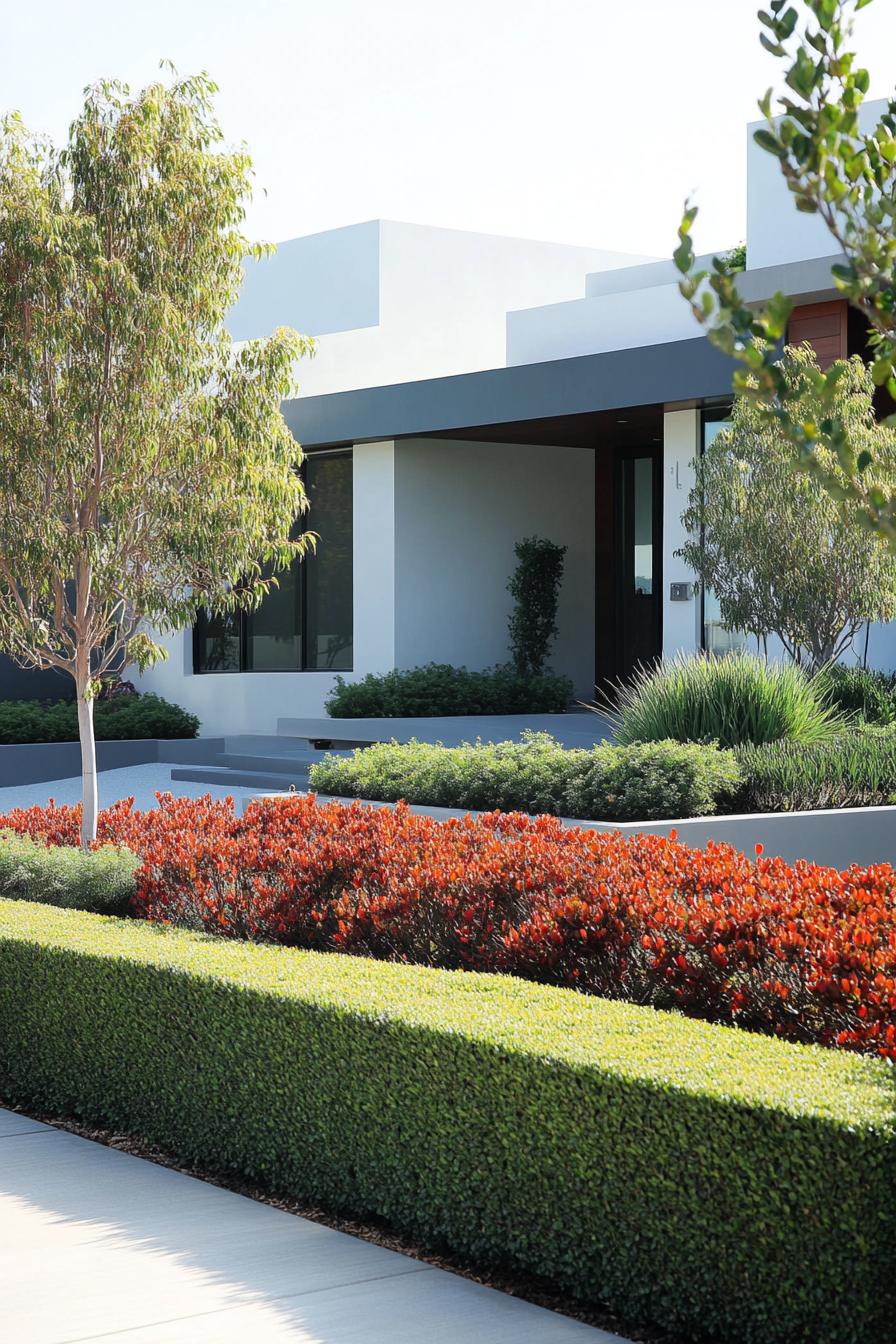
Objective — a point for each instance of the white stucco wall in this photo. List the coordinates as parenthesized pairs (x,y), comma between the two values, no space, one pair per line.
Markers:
(776,231)
(460,507)
(234,702)
(322,282)
(392,302)
(612,321)
(681,439)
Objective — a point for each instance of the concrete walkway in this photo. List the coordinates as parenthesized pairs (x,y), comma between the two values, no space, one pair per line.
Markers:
(98,1245)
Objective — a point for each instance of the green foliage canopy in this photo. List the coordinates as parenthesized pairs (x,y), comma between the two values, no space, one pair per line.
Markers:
(847,176)
(782,556)
(145,468)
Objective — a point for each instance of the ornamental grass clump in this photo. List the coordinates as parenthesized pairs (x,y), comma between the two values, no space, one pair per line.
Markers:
(732,700)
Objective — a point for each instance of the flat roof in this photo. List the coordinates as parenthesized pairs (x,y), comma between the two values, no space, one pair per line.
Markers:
(676,371)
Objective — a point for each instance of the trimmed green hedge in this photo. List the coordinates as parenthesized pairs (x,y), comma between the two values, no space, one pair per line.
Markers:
(638,783)
(715,1182)
(439,689)
(62,875)
(126,717)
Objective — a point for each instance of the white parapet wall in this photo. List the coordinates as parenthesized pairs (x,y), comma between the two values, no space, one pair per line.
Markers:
(393,302)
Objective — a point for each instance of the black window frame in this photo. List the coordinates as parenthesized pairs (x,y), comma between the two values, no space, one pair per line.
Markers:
(243,637)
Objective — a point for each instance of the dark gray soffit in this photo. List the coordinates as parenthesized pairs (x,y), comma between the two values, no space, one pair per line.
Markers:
(673,372)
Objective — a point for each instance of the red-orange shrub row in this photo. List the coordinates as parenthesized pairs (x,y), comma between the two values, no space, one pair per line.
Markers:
(804,952)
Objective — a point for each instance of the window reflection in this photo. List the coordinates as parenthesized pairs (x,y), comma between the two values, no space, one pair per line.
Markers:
(717,637)
(305,621)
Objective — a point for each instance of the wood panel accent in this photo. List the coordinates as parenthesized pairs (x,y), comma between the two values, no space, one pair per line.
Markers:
(824,326)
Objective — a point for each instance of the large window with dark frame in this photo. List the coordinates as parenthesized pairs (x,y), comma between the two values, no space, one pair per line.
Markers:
(304,624)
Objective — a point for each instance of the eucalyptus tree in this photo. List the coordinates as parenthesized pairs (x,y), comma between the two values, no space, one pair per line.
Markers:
(145,467)
(843,170)
(781,555)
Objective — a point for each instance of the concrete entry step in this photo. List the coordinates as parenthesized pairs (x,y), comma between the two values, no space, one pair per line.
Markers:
(300,760)
(581,729)
(220,777)
(256,762)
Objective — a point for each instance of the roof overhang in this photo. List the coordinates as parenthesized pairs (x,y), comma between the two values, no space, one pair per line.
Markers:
(678,371)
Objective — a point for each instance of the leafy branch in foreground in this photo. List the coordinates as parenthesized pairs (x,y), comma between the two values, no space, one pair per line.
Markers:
(846,175)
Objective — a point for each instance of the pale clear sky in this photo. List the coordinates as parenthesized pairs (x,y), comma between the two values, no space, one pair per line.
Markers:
(583,121)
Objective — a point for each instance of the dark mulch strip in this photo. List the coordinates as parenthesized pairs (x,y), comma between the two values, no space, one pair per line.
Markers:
(530,1288)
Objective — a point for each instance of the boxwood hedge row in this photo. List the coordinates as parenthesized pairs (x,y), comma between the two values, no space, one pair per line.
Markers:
(718,1183)
(638,783)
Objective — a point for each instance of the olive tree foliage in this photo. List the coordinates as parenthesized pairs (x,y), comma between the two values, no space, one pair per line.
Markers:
(145,467)
(847,176)
(782,556)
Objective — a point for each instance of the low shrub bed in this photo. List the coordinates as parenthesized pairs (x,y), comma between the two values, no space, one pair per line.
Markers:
(712,1182)
(857,769)
(857,692)
(439,690)
(30,870)
(637,783)
(801,952)
(125,717)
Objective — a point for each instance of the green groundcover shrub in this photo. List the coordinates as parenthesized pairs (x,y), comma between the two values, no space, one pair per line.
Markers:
(857,769)
(860,693)
(732,700)
(638,783)
(131,716)
(62,875)
(721,1184)
(439,689)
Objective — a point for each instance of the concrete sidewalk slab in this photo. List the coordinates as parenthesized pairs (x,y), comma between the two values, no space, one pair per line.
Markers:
(12,1124)
(98,1244)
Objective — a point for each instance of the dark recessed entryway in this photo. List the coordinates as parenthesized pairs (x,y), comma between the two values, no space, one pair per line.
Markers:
(628,513)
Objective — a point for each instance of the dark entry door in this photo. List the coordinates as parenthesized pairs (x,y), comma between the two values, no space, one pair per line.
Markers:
(639,559)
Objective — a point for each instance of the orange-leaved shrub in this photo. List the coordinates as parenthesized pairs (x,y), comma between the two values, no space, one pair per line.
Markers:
(800,951)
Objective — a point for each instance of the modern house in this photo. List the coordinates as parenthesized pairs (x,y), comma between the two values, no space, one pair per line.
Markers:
(469,391)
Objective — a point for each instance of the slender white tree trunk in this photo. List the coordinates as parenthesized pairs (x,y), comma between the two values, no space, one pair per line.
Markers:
(88,759)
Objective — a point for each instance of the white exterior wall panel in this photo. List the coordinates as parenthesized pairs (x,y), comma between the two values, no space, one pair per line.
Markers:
(460,507)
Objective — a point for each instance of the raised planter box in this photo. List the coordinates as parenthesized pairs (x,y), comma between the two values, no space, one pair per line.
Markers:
(34,762)
(834,837)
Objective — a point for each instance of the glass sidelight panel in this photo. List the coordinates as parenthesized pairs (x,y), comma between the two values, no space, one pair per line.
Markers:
(717,637)
(638,561)
(642,525)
